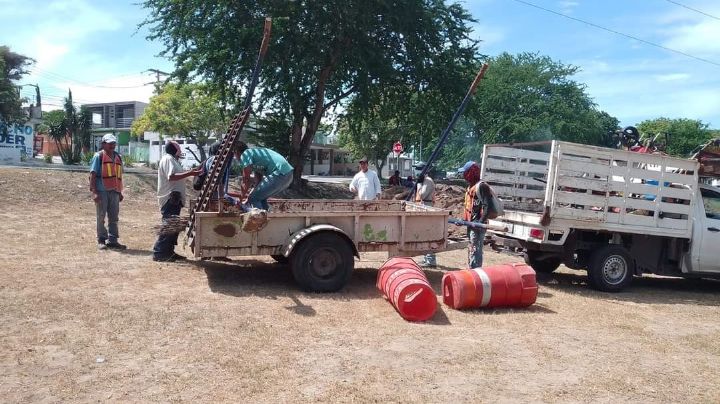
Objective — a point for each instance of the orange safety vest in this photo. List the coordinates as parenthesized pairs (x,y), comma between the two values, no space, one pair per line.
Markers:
(470,196)
(111,172)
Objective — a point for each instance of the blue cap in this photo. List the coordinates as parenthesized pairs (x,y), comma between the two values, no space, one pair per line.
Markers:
(467,166)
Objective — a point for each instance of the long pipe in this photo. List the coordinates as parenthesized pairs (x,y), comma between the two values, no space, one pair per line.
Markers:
(446,132)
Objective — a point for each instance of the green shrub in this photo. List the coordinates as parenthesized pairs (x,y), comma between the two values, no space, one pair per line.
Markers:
(129,160)
(47,158)
(86,157)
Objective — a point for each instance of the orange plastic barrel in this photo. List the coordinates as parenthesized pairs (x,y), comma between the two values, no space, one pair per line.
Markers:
(405,286)
(506,285)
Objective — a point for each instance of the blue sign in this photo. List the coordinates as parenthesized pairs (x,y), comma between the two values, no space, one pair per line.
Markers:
(16,141)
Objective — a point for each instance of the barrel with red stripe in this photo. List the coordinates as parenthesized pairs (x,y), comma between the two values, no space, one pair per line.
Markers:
(405,286)
(506,285)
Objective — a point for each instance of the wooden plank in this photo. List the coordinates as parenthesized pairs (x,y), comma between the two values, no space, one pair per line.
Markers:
(674,208)
(676,224)
(583,183)
(512,179)
(630,220)
(515,166)
(579,198)
(502,151)
(582,167)
(508,192)
(677,178)
(578,214)
(630,203)
(637,173)
(523,206)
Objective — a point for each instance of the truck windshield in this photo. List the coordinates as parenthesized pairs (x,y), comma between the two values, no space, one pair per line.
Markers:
(711,201)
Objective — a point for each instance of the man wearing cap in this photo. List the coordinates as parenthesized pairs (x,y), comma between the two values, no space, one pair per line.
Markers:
(273,174)
(106,185)
(365,183)
(477,200)
(171,197)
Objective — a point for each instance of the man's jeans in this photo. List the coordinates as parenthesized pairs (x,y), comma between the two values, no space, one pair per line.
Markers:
(109,205)
(165,245)
(270,185)
(430,258)
(475,248)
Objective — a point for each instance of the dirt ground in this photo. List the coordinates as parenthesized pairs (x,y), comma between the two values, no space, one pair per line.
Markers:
(78,324)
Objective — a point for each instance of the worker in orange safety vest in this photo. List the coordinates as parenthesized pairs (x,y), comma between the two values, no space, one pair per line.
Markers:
(106,174)
(477,200)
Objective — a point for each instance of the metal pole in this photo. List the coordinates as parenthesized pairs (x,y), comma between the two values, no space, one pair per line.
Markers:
(456,116)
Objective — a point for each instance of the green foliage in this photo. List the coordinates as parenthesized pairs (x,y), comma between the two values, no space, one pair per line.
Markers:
(12,67)
(528,97)
(684,134)
(272,131)
(47,158)
(190,110)
(70,128)
(522,98)
(86,157)
(321,52)
(128,160)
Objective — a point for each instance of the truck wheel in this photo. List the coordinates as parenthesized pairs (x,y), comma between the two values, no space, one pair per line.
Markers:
(322,263)
(280,259)
(611,269)
(545,266)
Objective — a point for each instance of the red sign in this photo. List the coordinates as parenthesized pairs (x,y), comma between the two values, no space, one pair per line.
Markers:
(397,148)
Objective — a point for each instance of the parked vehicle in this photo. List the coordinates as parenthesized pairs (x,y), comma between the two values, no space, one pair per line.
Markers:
(320,238)
(614,213)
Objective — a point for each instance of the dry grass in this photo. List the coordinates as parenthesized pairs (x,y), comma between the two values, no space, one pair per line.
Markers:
(83,325)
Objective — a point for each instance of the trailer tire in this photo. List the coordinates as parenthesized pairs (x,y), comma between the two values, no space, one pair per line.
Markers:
(545,266)
(323,262)
(611,269)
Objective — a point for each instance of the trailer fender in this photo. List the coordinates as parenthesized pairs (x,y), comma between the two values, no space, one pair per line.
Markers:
(300,235)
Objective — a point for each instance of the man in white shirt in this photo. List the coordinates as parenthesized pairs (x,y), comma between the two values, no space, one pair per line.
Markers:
(365,183)
(425,194)
(171,197)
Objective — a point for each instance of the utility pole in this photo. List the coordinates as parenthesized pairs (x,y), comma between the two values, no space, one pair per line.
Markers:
(158,73)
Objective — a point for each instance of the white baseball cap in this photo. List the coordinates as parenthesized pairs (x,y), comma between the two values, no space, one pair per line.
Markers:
(109,138)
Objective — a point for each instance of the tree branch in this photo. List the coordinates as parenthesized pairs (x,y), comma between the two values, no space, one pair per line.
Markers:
(340,97)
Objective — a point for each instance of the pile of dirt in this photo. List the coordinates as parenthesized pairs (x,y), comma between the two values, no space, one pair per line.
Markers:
(317,190)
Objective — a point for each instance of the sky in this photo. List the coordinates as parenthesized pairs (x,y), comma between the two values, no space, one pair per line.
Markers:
(671,69)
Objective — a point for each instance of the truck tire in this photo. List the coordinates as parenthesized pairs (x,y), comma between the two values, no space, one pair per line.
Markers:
(545,266)
(611,269)
(322,262)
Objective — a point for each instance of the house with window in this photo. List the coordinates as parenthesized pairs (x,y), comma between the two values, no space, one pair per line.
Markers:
(115,118)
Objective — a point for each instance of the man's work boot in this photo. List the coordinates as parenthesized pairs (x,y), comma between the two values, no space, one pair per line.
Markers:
(116,246)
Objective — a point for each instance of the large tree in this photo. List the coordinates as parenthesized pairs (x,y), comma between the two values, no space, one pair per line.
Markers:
(12,67)
(684,135)
(321,53)
(528,97)
(524,97)
(190,110)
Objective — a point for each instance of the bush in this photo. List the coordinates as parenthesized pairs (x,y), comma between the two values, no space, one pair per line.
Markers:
(129,160)
(86,157)
(47,158)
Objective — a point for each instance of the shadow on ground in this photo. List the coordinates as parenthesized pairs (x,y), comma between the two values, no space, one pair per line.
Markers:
(645,289)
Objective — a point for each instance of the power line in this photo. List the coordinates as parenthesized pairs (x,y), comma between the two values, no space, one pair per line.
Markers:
(55,76)
(693,9)
(619,33)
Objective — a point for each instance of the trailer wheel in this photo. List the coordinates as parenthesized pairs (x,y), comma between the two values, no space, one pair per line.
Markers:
(323,262)
(611,269)
(545,266)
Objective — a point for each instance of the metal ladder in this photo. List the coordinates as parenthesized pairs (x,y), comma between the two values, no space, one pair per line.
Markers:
(222,159)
